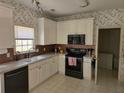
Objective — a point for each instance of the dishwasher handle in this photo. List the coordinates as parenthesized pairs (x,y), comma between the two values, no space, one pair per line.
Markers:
(14,74)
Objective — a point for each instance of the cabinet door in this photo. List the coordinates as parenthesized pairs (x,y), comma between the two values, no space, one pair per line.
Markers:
(62,32)
(81,26)
(47,31)
(62,64)
(41,74)
(89,31)
(72,28)
(54,67)
(33,77)
(44,71)
(87,70)
(40,33)
(48,72)
(51,66)
(6,27)
(50,30)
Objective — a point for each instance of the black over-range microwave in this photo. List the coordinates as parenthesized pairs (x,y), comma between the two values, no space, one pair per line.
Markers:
(76,39)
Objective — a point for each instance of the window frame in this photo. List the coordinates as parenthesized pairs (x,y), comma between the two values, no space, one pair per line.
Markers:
(33,42)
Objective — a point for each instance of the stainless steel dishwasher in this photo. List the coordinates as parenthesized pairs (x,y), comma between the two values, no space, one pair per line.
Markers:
(16,81)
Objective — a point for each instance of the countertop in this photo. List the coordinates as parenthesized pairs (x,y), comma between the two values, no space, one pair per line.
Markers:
(24,62)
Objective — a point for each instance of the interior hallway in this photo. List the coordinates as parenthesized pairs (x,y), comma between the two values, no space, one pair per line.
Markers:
(63,84)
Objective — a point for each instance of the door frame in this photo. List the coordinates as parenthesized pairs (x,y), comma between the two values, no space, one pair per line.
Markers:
(96,48)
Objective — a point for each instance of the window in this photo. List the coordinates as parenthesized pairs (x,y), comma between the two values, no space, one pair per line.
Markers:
(24,38)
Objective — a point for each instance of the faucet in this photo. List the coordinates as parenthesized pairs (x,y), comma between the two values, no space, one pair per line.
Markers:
(29,53)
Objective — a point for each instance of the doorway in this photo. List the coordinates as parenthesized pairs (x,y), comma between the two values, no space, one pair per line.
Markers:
(108,54)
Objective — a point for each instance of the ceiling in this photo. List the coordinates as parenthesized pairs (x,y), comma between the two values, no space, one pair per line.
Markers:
(69,7)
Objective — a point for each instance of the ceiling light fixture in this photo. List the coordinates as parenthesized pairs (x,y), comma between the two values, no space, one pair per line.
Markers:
(84,3)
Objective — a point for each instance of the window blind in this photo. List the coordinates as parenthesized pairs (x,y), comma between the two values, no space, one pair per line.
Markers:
(24,32)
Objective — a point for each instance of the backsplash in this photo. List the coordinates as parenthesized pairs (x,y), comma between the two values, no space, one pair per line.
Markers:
(4,58)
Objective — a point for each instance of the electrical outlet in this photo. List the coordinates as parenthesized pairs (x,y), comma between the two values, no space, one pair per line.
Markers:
(37,50)
(3,51)
(44,49)
(8,55)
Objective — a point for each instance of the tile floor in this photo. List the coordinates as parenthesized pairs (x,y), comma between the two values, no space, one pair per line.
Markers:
(63,84)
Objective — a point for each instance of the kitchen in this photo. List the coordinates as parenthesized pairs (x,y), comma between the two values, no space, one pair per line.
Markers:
(45,48)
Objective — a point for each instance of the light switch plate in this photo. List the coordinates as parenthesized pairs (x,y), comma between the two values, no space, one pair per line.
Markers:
(8,55)
(37,50)
(44,49)
(3,51)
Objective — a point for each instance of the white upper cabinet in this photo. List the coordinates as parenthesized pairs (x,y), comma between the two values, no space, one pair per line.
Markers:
(6,27)
(79,26)
(89,31)
(62,32)
(47,30)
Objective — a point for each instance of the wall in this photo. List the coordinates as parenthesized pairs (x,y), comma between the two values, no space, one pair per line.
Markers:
(105,18)
(109,42)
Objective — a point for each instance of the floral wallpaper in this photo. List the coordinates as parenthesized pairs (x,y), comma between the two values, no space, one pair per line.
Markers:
(22,14)
(102,18)
(112,17)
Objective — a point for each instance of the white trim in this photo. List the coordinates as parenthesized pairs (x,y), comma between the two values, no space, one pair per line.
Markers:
(121,34)
(2,88)
(6,5)
(96,53)
(108,27)
(90,18)
(121,54)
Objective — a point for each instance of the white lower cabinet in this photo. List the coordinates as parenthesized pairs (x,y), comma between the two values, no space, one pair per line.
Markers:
(53,66)
(87,68)
(40,71)
(33,76)
(61,60)
(43,71)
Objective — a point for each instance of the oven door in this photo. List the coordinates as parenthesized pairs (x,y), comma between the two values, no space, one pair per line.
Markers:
(78,67)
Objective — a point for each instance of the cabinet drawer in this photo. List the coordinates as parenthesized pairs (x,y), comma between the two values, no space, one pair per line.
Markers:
(32,66)
(87,59)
